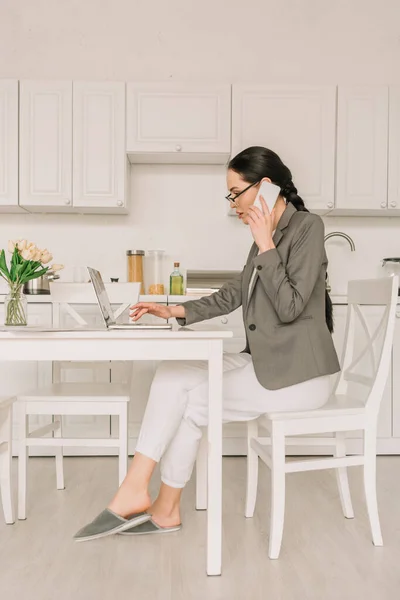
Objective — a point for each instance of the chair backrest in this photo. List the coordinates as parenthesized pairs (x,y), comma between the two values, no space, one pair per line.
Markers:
(67,298)
(63,295)
(367,345)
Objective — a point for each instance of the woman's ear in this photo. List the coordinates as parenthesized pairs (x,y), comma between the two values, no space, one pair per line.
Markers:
(266,179)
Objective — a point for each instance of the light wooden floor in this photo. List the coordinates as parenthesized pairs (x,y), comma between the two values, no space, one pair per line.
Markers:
(324,556)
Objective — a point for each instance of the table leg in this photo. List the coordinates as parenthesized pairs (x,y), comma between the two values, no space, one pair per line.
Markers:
(214,513)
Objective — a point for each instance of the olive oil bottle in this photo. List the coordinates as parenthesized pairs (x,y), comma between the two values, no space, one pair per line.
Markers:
(176,281)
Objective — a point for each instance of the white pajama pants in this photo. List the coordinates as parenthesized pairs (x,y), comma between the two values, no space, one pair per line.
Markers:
(178,407)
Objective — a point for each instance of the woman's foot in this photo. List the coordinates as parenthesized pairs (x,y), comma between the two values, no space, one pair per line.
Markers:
(163,515)
(128,501)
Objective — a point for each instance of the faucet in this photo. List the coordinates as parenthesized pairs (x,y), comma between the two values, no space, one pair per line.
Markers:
(352,247)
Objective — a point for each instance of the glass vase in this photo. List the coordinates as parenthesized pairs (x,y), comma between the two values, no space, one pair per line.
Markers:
(15,306)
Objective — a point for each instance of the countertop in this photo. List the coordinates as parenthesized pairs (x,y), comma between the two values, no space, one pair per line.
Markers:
(45,299)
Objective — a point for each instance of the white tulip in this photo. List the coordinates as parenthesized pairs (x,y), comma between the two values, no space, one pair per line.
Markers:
(28,253)
(55,268)
(46,257)
(11,246)
(21,245)
(37,256)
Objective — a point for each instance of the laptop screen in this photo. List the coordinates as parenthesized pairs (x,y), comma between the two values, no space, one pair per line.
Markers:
(102,297)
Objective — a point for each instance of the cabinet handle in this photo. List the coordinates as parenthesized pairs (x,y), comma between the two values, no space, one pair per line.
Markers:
(119,203)
(330,205)
(398,315)
(393,204)
(383,205)
(224,320)
(178,148)
(67,201)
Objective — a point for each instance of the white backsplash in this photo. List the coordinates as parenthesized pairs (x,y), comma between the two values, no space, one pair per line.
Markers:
(182,210)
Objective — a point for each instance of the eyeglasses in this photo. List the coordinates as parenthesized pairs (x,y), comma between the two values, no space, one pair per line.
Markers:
(233,199)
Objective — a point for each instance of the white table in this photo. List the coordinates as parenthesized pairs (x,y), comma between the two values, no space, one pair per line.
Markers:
(176,344)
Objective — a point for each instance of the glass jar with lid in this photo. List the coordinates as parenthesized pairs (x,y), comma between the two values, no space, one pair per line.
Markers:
(135,267)
(155,272)
(391,267)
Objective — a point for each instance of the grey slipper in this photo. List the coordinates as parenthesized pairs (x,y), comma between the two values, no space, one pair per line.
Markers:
(108,523)
(149,527)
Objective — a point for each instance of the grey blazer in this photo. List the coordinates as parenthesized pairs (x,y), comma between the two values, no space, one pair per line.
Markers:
(284,316)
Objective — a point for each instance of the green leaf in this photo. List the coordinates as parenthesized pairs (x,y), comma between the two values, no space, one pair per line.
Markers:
(3,264)
(33,275)
(14,262)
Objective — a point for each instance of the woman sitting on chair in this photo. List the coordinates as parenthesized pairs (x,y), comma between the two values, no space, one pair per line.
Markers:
(286,364)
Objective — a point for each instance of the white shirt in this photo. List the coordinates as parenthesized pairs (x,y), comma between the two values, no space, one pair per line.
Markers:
(254,274)
(252,279)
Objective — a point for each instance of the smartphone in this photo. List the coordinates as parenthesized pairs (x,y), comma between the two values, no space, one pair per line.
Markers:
(270,192)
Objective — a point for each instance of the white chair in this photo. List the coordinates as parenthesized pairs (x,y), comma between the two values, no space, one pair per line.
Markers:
(75,398)
(5,457)
(356,409)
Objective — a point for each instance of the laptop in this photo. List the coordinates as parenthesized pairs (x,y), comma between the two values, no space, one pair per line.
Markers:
(107,311)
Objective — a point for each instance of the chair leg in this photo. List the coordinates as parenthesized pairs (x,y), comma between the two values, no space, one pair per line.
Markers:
(342,478)
(201,474)
(277,490)
(23,451)
(5,466)
(59,455)
(252,470)
(370,484)
(123,442)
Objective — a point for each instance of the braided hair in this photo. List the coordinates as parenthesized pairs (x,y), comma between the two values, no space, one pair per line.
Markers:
(257,162)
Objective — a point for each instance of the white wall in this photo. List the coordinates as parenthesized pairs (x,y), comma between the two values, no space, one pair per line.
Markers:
(182,209)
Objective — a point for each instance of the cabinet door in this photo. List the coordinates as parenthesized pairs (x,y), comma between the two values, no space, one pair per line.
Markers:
(99,157)
(394,148)
(362,141)
(396,377)
(46,144)
(177,119)
(8,143)
(231,322)
(20,377)
(298,123)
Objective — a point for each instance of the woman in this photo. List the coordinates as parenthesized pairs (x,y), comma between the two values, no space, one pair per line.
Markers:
(286,364)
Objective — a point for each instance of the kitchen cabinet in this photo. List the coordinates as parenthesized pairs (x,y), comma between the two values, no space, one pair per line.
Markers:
(178,123)
(72,148)
(45,144)
(19,377)
(298,123)
(100,165)
(9,145)
(362,149)
(394,148)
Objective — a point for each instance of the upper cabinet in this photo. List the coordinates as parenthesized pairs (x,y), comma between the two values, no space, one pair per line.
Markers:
(178,123)
(9,145)
(298,123)
(72,146)
(99,158)
(394,148)
(362,150)
(46,144)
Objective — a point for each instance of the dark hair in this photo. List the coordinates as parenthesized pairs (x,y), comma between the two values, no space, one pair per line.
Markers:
(257,162)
